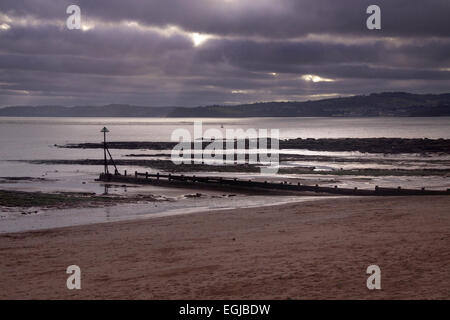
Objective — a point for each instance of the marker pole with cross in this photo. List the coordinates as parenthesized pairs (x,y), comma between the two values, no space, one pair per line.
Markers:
(105,130)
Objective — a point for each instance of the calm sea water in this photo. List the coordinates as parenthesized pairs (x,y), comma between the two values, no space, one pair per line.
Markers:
(35,138)
(32,138)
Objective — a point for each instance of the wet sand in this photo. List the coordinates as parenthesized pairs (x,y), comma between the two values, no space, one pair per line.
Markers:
(309,250)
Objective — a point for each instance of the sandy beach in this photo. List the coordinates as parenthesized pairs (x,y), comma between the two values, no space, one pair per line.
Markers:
(310,250)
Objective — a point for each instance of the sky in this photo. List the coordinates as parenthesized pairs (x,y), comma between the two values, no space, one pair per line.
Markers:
(203,52)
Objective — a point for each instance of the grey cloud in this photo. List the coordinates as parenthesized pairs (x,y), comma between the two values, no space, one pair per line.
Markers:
(44,62)
(100,41)
(266,18)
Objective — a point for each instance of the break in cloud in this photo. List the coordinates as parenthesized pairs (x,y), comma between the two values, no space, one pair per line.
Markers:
(199,52)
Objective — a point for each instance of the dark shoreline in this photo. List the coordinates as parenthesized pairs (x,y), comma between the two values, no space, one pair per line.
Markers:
(65,200)
(316,158)
(169,166)
(363,145)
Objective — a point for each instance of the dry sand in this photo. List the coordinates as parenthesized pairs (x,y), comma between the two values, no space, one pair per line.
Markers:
(296,251)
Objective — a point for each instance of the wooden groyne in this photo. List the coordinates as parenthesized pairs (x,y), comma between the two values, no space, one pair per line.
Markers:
(169,180)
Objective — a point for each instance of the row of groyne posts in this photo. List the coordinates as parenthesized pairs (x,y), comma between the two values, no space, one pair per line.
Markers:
(234,183)
(171,180)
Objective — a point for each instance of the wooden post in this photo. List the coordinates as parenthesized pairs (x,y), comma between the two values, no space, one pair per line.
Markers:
(157,176)
(125,172)
(135,174)
(105,162)
(146,175)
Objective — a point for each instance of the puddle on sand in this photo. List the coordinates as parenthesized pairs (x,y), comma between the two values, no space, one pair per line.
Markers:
(48,219)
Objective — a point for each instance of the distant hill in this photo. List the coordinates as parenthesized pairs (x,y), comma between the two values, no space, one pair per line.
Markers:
(395,104)
(111,110)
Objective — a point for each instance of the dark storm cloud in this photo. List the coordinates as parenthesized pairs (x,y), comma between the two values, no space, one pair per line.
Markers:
(267,18)
(247,52)
(142,52)
(100,42)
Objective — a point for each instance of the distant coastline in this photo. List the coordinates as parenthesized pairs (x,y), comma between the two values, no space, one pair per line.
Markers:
(387,104)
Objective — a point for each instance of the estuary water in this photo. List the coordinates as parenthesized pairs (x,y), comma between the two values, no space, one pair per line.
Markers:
(37,139)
